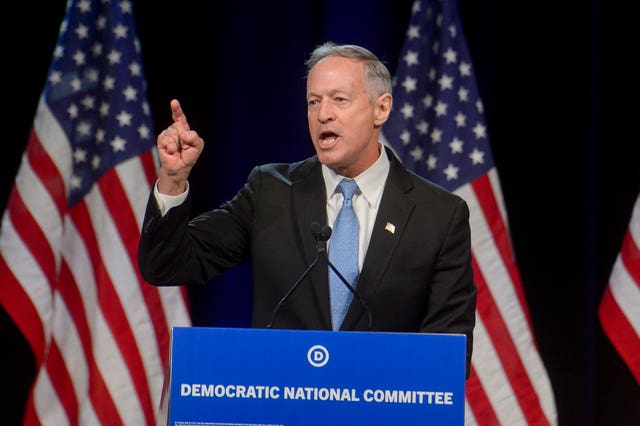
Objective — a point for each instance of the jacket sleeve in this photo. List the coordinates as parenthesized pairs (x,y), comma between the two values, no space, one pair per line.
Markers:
(452,301)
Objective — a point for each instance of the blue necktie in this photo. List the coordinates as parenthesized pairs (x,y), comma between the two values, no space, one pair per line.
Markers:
(343,254)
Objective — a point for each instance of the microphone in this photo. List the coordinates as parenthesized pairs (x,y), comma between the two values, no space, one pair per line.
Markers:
(321,235)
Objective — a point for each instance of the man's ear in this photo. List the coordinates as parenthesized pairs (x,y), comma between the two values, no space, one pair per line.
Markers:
(382,109)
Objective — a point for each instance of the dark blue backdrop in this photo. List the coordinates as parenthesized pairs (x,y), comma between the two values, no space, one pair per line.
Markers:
(556,90)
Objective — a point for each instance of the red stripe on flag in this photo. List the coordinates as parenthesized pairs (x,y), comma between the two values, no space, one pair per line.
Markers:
(149,167)
(630,254)
(479,402)
(20,307)
(491,212)
(622,335)
(125,220)
(62,382)
(117,320)
(507,352)
(32,236)
(47,172)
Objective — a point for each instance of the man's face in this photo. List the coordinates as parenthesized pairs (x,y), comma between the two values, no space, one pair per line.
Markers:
(343,122)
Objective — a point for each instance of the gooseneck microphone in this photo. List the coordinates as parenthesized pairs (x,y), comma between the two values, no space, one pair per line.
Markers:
(321,234)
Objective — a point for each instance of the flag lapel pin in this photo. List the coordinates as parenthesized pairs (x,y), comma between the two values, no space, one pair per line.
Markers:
(390,227)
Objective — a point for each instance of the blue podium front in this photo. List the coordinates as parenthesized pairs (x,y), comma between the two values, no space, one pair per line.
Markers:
(251,377)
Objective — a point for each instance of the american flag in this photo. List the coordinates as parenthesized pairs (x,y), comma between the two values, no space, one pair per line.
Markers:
(69,236)
(619,309)
(438,130)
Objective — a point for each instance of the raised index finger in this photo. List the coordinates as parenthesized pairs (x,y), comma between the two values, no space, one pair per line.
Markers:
(177,114)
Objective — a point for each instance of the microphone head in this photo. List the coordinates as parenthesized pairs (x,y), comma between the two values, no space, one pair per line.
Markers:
(325,233)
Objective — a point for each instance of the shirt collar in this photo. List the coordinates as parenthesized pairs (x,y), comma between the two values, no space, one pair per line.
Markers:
(370,182)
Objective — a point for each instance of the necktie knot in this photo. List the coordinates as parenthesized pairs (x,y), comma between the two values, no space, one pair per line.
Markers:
(348,187)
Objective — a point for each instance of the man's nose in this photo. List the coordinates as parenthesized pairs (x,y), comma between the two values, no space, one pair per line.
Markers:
(326,112)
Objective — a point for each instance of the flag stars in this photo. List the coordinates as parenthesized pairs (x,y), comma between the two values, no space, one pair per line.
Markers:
(55,77)
(100,136)
(453,31)
(463,94)
(76,84)
(93,75)
(432,162)
(75,182)
(411,58)
(450,56)
(83,128)
(118,143)
(130,93)
(97,49)
(407,110)
(416,153)
(413,32)
(135,69)
(144,132)
(72,111)
(451,172)
(431,75)
(80,155)
(96,161)
(427,101)
(58,52)
(79,58)
(445,82)
(456,146)
(416,7)
(88,102)
(101,22)
(422,127)
(82,31)
(465,69)
(84,6)
(479,106)
(104,109)
(125,7)
(460,119)
(436,136)
(108,83)
(120,31)
(410,84)
(124,118)
(441,109)
(405,137)
(480,131)
(477,156)
(114,57)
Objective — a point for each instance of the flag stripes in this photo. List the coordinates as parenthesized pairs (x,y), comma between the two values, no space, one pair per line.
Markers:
(70,232)
(619,309)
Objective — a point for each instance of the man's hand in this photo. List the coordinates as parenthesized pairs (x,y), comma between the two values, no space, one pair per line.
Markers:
(179,148)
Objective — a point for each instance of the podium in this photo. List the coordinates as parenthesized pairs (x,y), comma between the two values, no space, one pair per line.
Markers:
(260,377)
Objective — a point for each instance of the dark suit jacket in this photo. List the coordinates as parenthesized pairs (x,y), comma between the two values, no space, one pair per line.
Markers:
(416,279)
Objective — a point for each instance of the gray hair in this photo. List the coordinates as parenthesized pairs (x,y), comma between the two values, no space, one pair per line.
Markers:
(376,73)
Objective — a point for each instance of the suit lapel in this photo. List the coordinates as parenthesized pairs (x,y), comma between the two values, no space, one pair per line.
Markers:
(309,204)
(389,227)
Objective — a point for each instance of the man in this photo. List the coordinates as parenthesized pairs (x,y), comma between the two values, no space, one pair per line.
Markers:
(413,271)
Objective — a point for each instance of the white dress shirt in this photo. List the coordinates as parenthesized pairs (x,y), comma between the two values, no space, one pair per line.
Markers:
(365,201)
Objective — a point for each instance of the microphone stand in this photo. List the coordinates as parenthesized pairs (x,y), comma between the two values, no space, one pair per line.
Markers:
(352,290)
(321,234)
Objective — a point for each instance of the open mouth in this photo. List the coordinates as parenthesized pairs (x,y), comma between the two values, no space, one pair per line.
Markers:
(327,138)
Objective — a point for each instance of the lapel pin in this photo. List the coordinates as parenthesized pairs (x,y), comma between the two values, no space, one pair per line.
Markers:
(390,227)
